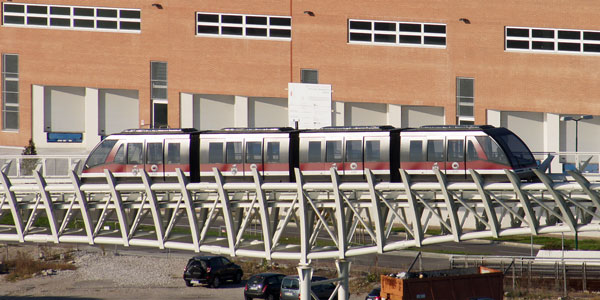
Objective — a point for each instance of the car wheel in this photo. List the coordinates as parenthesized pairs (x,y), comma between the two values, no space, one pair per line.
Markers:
(216,282)
(238,278)
(188,283)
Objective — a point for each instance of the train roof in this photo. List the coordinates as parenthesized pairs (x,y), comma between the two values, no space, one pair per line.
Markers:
(251,130)
(157,131)
(451,128)
(354,128)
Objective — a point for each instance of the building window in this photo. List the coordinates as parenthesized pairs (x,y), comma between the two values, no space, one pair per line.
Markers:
(245,26)
(10,91)
(465,101)
(158,94)
(397,33)
(309,76)
(71,17)
(552,40)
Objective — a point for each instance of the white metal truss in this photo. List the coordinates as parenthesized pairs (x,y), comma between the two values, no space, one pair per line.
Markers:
(291,220)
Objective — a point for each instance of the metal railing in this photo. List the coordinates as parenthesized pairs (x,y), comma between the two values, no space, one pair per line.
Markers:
(48,165)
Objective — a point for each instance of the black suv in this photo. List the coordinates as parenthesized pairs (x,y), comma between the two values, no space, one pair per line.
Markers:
(212,270)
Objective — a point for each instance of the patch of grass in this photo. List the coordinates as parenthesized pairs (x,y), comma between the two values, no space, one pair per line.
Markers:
(23,266)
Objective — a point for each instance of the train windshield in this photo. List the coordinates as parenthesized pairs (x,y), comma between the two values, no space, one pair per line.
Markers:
(99,155)
(518,152)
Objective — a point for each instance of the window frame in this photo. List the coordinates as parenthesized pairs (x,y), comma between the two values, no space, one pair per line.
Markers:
(398,33)
(244,26)
(556,40)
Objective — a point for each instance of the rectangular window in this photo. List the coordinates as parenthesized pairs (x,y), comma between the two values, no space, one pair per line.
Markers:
(174,153)
(309,76)
(154,153)
(244,26)
(465,101)
(456,150)
(158,93)
(253,152)
(272,152)
(10,91)
(333,151)
(397,33)
(234,152)
(134,153)
(215,153)
(415,151)
(552,40)
(372,151)
(435,150)
(354,151)
(71,17)
(314,151)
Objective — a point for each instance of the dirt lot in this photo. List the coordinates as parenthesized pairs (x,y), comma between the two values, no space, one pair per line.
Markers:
(101,274)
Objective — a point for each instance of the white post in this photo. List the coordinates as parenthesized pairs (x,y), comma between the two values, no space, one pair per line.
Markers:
(343,268)
(240,111)
(552,139)
(186,110)
(305,273)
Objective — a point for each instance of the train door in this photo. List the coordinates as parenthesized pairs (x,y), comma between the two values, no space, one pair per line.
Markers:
(276,159)
(413,154)
(234,156)
(334,157)
(455,156)
(254,155)
(135,157)
(353,159)
(436,153)
(312,155)
(377,155)
(155,161)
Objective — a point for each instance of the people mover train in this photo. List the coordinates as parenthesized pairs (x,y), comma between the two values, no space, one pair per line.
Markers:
(275,152)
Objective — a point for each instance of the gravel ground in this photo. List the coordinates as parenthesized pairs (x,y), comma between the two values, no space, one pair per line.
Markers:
(128,275)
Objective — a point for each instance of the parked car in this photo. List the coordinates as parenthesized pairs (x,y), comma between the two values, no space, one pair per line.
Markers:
(264,286)
(374,294)
(290,288)
(212,270)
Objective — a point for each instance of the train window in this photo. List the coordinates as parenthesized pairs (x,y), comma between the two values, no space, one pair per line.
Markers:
(99,155)
(353,150)
(253,152)
(435,150)
(519,153)
(272,152)
(215,153)
(174,153)
(314,151)
(120,156)
(415,151)
(134,153)
(471,152)
(333,151)
(493,152)
(154,154)
(456,150)
(234,152)
(372,151)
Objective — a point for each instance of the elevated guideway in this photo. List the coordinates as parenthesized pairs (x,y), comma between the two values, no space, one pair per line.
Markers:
(290,216)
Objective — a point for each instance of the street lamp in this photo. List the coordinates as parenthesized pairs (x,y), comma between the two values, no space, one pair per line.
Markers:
(577,119)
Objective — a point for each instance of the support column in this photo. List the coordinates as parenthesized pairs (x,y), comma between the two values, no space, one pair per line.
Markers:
(91,136)
(37,110)
(186,110)
(494,117)
(240,111)
(343,268)
(552,139)
(338,114)
(305,272)
(394,115)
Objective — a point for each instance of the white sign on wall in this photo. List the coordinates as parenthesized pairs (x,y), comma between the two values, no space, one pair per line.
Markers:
(309,105)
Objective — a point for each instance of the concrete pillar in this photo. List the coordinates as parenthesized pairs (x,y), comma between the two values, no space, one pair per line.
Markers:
(91,136)
(305,273)
(338,114)
(494,118)
(394,115)
(343,268)
(552,139)
(240,111)
(37,111)
(186,110)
